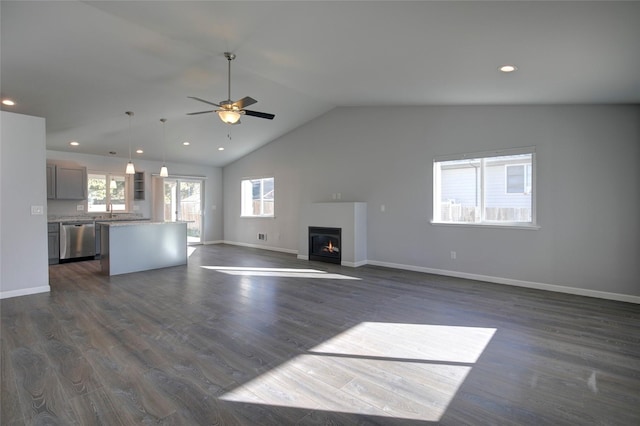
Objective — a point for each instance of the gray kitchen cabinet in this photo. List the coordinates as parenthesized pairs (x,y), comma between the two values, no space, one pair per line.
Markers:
(66,182)
(138,186)
(51,181)
(98,231)
(54,243)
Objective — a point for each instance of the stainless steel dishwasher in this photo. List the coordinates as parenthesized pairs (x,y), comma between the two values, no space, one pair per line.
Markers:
(77,240)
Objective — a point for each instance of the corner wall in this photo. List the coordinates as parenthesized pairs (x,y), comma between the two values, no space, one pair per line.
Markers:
(587,197)
(23,236)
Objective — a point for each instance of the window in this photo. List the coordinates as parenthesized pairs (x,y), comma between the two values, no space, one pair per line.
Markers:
(105,191)
(518,178)
(495,188)
(257,197)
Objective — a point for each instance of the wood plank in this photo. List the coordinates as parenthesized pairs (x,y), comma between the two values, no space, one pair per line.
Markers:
(393,347)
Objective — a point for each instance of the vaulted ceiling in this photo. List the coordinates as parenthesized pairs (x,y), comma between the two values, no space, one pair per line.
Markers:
(82,64)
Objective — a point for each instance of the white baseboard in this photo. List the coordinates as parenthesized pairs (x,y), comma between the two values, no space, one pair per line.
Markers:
(343,263)
(213,242)
(354,264)
(497,280)
(24,292)
(260,246)
(508,281)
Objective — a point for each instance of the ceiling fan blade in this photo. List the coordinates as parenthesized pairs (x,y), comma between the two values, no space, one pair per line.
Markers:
(245,102)
(202,100)
(201,112)
(259,114)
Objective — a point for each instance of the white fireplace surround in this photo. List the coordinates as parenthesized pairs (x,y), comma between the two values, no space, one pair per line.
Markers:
(350,217)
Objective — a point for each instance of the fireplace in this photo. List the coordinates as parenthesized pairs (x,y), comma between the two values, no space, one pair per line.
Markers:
(325,244)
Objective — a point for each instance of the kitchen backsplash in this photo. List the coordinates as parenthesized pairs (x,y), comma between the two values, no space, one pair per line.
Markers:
(57,209)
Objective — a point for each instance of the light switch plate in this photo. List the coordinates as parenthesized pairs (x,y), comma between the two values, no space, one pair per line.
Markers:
(37,210)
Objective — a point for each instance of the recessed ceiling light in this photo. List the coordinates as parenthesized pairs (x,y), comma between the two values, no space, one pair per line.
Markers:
(221,148)
(74,143)
(8,102)
(139,151)
(186,143)
(507,68)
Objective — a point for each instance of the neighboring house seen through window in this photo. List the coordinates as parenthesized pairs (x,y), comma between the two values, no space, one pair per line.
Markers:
(495,188)
(257,197)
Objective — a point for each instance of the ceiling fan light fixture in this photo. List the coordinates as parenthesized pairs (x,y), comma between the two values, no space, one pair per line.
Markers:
(230,111)
(229,116)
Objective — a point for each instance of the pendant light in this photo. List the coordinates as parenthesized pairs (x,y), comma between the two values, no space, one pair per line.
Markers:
(130,168)
(164,172)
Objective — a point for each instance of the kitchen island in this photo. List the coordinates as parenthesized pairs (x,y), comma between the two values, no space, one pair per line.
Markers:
(139,246)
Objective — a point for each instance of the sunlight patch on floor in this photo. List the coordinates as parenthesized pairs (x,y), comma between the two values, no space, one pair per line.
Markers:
(190,250)
(406,371)
(410,341)
(278,272)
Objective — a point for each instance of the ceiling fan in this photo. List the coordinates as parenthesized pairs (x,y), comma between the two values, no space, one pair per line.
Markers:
(230,111)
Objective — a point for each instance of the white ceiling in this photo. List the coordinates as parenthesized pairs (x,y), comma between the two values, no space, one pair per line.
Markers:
(82,64)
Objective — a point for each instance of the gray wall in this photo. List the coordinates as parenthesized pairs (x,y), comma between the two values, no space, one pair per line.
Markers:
(23,236)
(587,177)
(212,187)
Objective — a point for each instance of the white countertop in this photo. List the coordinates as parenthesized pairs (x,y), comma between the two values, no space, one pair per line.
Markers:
(136,222)
(89,219)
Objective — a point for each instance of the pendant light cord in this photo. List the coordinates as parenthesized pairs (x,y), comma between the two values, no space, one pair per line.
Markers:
(130,114)
(164,141)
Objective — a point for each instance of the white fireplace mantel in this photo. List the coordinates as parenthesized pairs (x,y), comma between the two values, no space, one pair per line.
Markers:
(350,217)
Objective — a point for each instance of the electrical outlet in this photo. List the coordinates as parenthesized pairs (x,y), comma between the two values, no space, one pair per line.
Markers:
(80,207)
(454,255)
(37,210)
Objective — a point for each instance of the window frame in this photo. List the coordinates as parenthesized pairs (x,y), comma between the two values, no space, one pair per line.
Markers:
(108,176)
(244,197)
(482,156)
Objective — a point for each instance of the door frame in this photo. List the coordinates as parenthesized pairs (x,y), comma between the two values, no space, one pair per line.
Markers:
(177,180)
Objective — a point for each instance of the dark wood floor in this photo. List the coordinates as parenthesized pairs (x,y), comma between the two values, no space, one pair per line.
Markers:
(248,337)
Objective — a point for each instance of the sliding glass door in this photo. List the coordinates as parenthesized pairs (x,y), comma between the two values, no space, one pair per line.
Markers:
(183,201)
